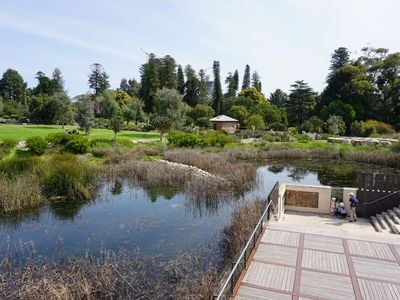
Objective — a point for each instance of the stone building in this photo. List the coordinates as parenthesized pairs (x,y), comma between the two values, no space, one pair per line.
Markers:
(225,124)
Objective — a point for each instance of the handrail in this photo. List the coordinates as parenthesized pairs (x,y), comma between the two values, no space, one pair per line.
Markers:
(379,199)
(260,221)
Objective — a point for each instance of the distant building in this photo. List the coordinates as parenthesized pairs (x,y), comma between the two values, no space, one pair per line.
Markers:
(225,124)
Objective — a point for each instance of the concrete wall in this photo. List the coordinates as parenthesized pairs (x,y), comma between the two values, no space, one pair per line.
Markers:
(228,127)
(324,197)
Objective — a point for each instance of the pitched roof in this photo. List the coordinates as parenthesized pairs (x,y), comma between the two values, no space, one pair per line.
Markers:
(223,118)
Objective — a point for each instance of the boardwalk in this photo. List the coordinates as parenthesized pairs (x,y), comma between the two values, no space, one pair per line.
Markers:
(299,262)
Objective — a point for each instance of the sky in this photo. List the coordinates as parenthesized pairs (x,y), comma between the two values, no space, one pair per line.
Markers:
(283,40)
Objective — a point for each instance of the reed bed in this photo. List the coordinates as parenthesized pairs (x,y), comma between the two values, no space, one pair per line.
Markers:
(244,218)
(383,159)
(113,275)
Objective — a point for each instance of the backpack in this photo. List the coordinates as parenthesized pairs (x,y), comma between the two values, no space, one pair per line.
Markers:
(355,202)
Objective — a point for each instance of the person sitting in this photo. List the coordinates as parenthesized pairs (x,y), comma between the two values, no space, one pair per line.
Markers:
(341,211)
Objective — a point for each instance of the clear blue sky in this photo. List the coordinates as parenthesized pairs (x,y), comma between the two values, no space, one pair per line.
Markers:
(283,40)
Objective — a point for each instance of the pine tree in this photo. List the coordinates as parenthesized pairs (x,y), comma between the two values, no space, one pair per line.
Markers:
(300,101)
(203,91)
(236,80)
(98,79)
(246,78)
(230,81)
(192,87)
(255,81)
(13,87)
(168,77)
(340,57)
(217,90)
(57,81)
(150,83)
(181,81)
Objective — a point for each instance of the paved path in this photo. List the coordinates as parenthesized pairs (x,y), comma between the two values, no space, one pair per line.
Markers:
(298,261)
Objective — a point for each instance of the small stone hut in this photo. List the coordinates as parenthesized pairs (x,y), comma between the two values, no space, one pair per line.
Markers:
(225,124)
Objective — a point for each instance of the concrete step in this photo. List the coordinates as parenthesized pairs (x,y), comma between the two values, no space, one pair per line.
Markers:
(375,224)
(396,211)
(393,216)
(381,221)
(390,223)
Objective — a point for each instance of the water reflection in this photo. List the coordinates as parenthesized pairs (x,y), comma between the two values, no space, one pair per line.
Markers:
(66,210)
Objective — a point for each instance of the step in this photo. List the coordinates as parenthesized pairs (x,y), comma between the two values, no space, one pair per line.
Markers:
(397,211)
(375,224)
(391,224)
(381,221)
(394,217)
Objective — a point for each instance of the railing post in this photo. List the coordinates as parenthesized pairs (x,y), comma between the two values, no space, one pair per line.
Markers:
(245,256)
(232,280)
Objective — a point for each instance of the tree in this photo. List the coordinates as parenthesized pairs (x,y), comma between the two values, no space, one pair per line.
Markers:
(299,104)
(131,87)
(60,106)
(150,83)
(203,91)
(39,109)
(170,105)
(278,98)
(108,104)
(201,115)
(57,81)
(335,125)
(240,113)
(340,57)
(44,86)
(255,81)
(168,76)
(98,79)
(1,106)
(256,121)
(85,114)
(217,90)
(116,122)
(230,81)
(339,108)
(163,124)
(13,87)
(133,111)
(236,80)
(192,87)
(246,78)
(180,81)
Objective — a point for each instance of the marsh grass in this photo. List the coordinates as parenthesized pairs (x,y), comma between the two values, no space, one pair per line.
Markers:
(20,192)
(112,275)
(244,218)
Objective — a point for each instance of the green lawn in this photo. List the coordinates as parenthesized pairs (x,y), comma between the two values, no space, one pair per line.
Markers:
(22,132)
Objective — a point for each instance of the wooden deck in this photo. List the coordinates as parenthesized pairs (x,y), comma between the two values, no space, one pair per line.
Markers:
(302,265)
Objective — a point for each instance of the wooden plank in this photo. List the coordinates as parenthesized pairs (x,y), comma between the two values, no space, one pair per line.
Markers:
(373,290)
(377,269)
(276,254)
(318,242)
(281,238)
(250,293)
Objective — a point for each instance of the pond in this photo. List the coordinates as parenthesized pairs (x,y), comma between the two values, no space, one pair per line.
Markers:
(154,221)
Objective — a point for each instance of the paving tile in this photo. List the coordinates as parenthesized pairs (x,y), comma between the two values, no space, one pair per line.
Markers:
(249,293)
(270,276)
(376,269)
(326,243)
(327,286)
(370,249)
(281,238)
(374,290)
(276,254)
(324,261)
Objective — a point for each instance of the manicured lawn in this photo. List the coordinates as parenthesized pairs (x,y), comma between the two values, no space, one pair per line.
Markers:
(22,132)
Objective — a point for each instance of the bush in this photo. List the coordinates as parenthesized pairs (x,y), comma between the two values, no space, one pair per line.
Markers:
(77,144)
(184,139)
(277,126)
(58,139)
(256,121)
(101,123)
(102,142)
(70,178)
(6,146)
(36,144)
(335,125)
(396,147)
(215,138)
(380,127)
(361,129)
(313,124)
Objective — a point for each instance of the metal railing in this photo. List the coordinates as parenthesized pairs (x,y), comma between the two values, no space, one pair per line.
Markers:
(378,205)
(227,288)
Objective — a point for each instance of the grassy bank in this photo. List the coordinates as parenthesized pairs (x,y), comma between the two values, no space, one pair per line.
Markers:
(22,132)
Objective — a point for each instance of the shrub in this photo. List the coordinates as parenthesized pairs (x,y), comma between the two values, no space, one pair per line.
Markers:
(380,127)
(335,125)
(277,126)
(59,138)
(103,142)
(184,139)
(396,147)
(361,129)
(215,138)
(313,124)
(101,123)
(36,144)
(77,144)
(67,177)
(6,146)
(255,121)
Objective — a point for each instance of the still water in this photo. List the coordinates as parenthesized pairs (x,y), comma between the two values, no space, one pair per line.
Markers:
(153,221)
